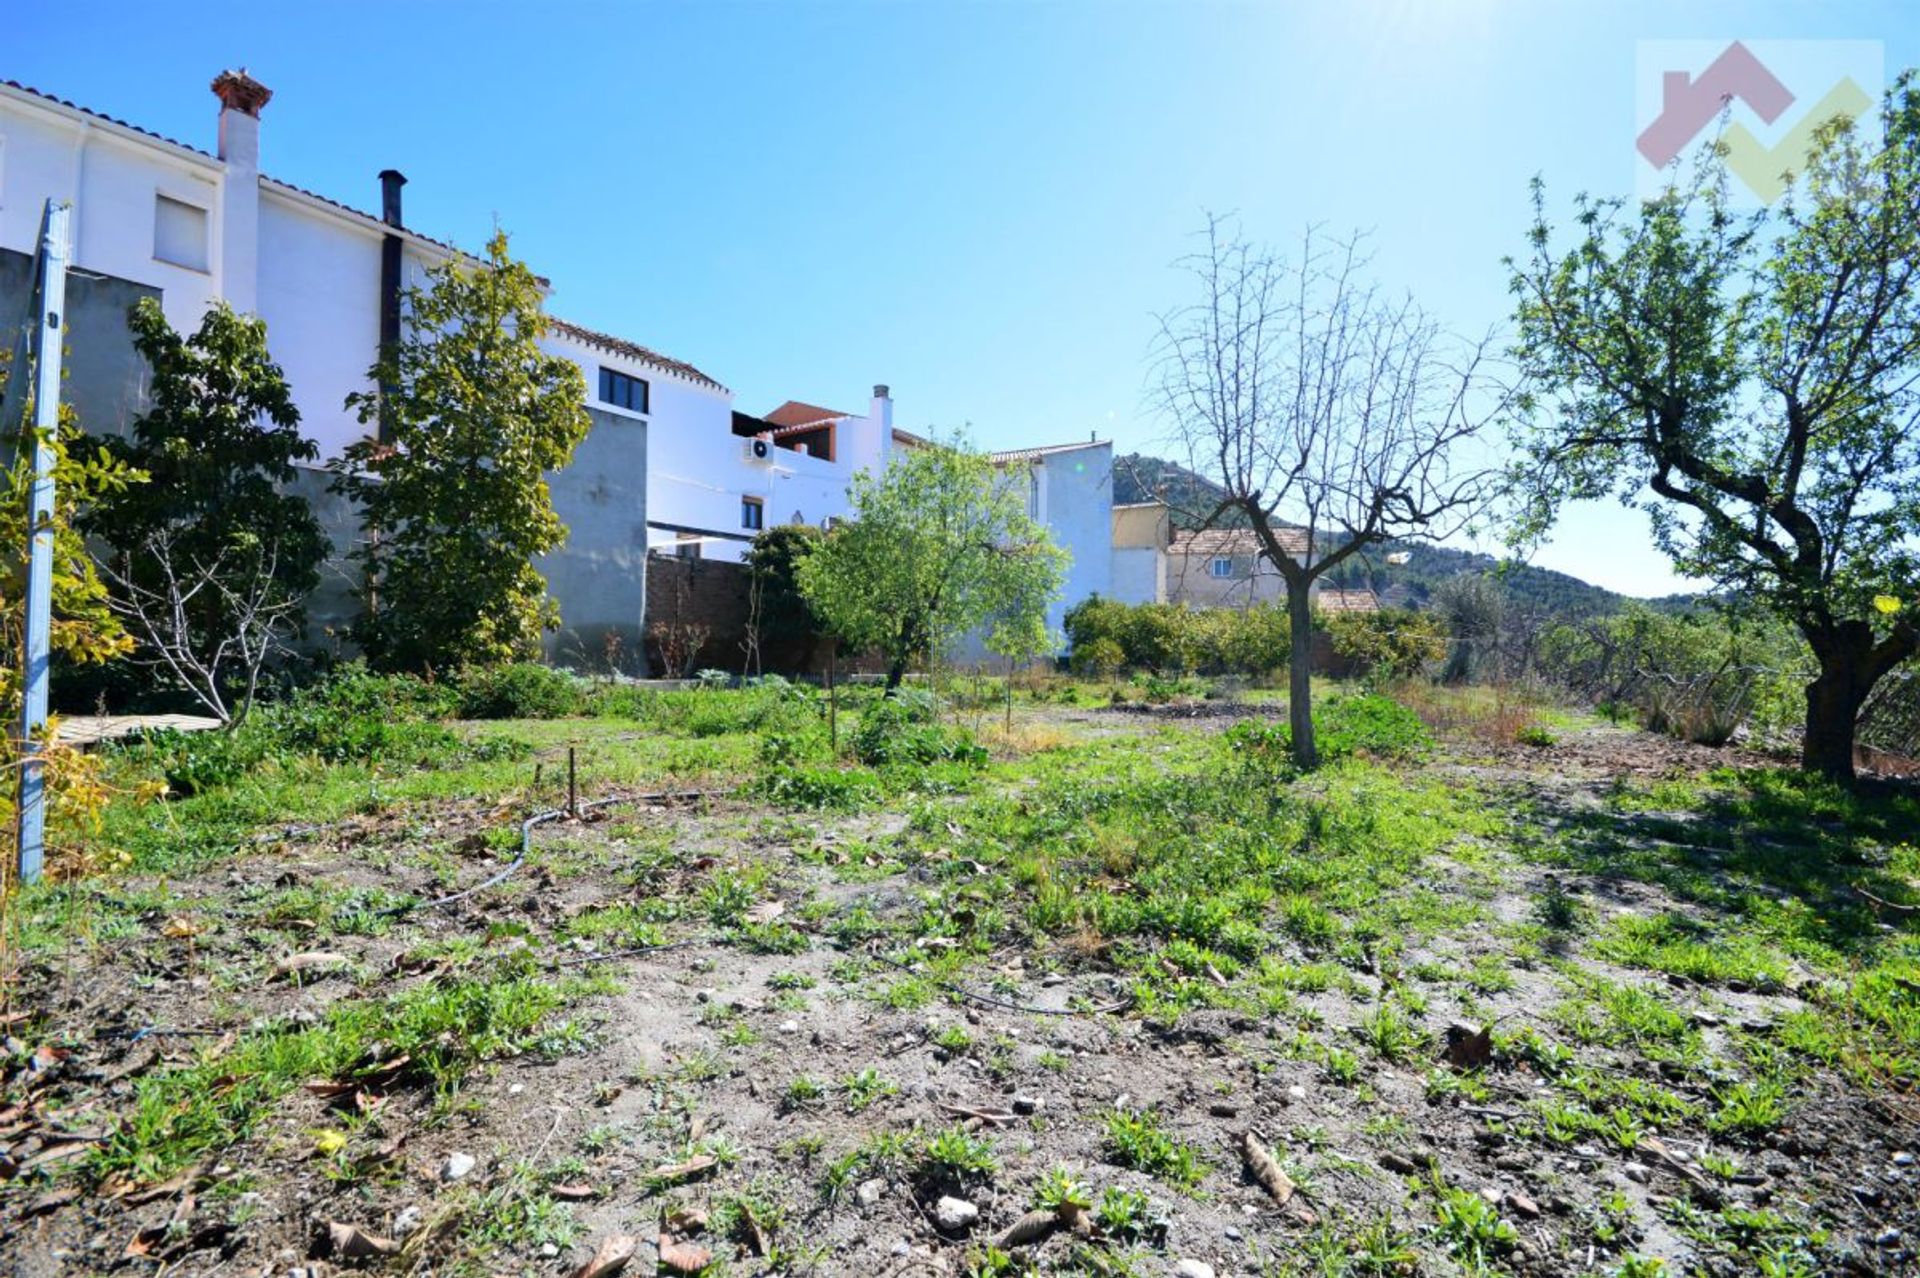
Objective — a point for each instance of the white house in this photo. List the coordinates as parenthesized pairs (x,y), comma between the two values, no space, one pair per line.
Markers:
(155,217)
(669,465)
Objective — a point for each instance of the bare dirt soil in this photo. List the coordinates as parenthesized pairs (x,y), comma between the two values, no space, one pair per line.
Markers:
(666,1107)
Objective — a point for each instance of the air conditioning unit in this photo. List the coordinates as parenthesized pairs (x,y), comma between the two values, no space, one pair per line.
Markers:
(758,449)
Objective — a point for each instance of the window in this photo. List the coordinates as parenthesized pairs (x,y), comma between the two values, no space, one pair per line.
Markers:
(753,513)
(686,545)
(1222,566)
(621,391)
(179,233)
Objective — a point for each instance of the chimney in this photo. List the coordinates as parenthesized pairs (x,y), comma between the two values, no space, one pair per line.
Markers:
(242,98)
(880,415)
(391,180)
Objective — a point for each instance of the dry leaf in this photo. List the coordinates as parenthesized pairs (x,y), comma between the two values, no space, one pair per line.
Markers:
(610,1258)
(350,1242)
(1030,1228)
(1263,1168)
(766,912)
(681,1257)
(307,962)
(680,1171)
(572,1193)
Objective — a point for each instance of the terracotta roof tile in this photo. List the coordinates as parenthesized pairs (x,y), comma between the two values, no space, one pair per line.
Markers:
(1236,541)
(1044,450)
(1331,600)
(795,413)
(101,115)
(633,350)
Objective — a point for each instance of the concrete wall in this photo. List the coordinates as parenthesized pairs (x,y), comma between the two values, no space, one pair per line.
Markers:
(103,376)
(599,577)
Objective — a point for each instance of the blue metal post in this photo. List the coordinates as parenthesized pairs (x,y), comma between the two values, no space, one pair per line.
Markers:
(52,294)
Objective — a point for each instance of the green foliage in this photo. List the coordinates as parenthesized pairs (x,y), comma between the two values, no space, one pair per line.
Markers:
(457,502)
(1393,643)
(1747,381)
(1106,635)
(354,717)
(521,690)
(219,443)
(939,545)
(84,630)
(785,616)
(1363,724)
(904,730)
(1702,674)
(1135,1138)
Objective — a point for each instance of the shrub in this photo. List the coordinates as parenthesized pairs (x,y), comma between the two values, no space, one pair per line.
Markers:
(1366,724)
(1173,638)
(522,690)
(902,730)
(1393,643)
(1103,658)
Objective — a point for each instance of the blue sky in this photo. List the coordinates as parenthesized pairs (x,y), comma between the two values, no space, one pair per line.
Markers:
(974,202)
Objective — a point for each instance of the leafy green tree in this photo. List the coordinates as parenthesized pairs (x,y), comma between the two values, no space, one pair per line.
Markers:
(211,561)
(456,502)
(939,545)
(782,618)
(1750,382)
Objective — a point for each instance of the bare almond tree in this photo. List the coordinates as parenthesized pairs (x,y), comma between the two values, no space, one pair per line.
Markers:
(1331,416)
(165,608)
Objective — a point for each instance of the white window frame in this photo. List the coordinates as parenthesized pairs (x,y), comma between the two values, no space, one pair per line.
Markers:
(1221,567)
(204,265)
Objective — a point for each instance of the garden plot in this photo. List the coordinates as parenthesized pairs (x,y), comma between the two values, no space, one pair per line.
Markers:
(1112,996)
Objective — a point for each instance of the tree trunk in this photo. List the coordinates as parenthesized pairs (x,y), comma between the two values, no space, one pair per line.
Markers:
(896,671)
(1300,674)
(1833,709)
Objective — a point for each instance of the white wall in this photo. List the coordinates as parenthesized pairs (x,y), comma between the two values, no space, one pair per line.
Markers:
(1139,575)
(112,180)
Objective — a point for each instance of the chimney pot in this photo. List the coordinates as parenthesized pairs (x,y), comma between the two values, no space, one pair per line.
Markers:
(880,391)
(239,91)
(391,180)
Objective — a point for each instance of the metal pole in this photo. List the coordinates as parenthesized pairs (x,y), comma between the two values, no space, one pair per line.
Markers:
(833,700)
(39,602)
(573,788)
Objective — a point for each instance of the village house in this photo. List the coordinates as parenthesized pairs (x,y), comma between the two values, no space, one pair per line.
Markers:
(1229,568)
(670,465)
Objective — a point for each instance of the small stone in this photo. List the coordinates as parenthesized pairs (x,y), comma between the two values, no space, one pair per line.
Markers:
(1492,1194)
(1024,1104)
(1887,1238)
(549,1250)
(1223,1109)
(869,1191)
(789,1027)
(1638,1174)
(458,1166)
(902,1249)
(1903,1159)
(954,1214)
(407,1221)
(1193,1269)
(1120,1101)
(1296,1093)
(1398,1163)
(1517,1161)
(1233,1233)
(1523,1205)
(516,1088)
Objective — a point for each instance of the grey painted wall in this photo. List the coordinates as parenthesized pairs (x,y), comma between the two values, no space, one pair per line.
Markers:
(103,377)
(599,576)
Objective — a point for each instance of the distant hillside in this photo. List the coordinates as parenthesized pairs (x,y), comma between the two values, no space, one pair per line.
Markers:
(1137,477)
